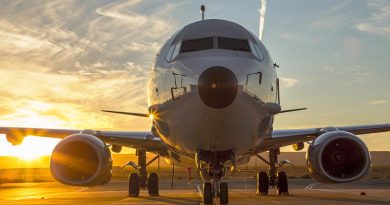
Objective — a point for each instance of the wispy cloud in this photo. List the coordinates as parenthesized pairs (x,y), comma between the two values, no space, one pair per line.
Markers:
(378,22)
(379,102)
(288,82)
(330,20)
(63,62)
(354,73)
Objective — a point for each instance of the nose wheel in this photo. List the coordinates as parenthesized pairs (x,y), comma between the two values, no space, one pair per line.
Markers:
(212,193)
(223,193)
(207,193)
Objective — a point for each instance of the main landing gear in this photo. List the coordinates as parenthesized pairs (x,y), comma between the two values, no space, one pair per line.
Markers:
(141,179)
(273,178)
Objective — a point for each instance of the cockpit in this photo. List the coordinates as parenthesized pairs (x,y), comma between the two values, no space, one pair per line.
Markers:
(222,43)
(213,34)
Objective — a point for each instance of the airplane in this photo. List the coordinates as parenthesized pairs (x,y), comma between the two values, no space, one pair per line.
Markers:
(213,93)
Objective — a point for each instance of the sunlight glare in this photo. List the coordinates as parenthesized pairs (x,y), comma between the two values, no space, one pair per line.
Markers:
(31,148)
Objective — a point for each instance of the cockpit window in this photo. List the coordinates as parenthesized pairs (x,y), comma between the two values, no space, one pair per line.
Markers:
(257,51)
(233,44)
(169,54)
(176,51)
(197,45)
(173,52)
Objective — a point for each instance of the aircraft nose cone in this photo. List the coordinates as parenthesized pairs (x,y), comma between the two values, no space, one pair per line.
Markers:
(217,87)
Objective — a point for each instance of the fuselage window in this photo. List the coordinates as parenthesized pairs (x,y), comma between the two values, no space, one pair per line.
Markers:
(197,45)
(233,44)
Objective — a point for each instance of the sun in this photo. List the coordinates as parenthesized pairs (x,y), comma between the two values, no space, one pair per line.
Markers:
(32,148)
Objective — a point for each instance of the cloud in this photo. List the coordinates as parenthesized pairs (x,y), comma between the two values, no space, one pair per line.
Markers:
(378,102)
(328,23)
(288,82)
(330,20)
(353,74)
(62,62)
(378,23)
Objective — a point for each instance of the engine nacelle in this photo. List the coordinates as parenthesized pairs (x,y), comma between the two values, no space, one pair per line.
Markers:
(81,160)
(338,157)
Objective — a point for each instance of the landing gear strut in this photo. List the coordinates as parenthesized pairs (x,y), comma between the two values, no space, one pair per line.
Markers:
(211,164)
(143,174)
(273,178)
(141,179)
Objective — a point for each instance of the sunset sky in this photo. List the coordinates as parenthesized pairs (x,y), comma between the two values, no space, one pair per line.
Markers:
(61,62)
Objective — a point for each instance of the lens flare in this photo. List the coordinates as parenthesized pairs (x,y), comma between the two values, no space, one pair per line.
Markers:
(32,148)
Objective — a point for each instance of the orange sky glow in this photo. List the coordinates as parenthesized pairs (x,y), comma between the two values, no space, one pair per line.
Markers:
(55,73)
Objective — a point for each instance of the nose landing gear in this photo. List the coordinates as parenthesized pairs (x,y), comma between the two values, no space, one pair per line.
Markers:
(273,178)
(207,193)
(213,191)
(223,193)
(211,169)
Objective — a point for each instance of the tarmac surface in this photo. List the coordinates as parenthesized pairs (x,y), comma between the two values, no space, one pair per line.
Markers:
(302,191)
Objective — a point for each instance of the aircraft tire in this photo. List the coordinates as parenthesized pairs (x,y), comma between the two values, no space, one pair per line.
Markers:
(282,183)
(207,193)
(134,185)
(262,184)
(152,184)
(223,193)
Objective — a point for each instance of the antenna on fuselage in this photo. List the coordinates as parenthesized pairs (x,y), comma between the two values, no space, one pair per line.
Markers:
(202,10)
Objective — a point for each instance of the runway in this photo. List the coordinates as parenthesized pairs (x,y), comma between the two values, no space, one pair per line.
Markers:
(302,191)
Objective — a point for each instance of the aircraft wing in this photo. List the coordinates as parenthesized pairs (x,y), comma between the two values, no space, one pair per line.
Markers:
(138,140)
(282,138)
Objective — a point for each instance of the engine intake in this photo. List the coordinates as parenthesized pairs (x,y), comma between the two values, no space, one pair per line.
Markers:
(338,157)
(81,160)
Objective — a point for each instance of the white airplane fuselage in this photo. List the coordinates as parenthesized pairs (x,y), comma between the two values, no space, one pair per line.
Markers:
(184,120)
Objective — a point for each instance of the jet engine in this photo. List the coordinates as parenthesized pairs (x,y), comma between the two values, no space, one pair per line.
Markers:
(338,157)
(81,160)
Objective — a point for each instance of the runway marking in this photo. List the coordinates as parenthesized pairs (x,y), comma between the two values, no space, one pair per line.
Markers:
(310,186)
(200,194)
(199,191)
(334,191)
(45,195)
